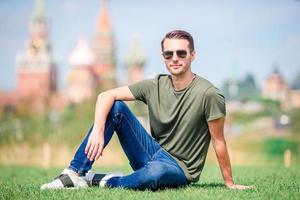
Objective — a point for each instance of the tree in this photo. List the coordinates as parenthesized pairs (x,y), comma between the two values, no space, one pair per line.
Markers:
(296,82)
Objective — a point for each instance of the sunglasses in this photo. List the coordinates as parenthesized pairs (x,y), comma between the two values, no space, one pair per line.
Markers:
(169,54)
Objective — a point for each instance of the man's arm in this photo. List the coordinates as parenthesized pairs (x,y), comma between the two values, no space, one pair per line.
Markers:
(104,103)
(216,128)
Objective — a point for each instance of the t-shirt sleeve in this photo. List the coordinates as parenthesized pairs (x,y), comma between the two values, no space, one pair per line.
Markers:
(142,89)
(214,104)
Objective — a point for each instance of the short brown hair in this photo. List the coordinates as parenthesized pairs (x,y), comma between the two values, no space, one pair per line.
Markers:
(179,34)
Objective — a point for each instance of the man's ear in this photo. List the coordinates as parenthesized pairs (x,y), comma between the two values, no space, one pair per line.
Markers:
(193,54)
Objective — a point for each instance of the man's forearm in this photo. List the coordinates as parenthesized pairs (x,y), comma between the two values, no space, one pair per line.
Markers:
(224,161)
(104,103)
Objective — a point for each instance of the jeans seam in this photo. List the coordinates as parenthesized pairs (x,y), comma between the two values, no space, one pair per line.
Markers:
(82,168)
(132,129)
(157,152)
(107,128)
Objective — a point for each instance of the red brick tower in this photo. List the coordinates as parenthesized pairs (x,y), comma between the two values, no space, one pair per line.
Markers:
(36,71)
(103,47)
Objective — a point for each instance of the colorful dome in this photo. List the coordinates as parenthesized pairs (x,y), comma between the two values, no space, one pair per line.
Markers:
(82,55)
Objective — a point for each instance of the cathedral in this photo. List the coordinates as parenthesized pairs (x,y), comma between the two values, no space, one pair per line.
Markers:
(94,68)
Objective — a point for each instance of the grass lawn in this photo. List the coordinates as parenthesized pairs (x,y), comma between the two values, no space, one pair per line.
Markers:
(271,183)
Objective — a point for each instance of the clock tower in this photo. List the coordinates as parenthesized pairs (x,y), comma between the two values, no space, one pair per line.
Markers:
(36,71)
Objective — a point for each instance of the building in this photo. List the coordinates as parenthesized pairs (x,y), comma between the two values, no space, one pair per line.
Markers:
(81,81)
(91,69)
(275,87)
(293,96)
(293,100)
(134,62)
(36,69)
(241,90)
(104,50)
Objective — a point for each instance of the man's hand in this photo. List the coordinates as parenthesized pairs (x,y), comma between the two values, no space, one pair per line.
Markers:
(104,103)
(95,144)
(239,187)
(216,128)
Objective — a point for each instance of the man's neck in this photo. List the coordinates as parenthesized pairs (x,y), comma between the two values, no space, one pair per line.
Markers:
(182,81)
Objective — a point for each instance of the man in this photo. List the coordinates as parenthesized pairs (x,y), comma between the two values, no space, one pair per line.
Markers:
(185,112)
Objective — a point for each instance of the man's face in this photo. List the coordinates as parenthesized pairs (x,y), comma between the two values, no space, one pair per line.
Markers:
(177,56)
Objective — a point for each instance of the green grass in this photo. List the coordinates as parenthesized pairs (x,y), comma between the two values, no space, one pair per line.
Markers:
(272,182)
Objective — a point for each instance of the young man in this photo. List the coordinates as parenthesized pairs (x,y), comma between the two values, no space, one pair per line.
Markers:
(186,112)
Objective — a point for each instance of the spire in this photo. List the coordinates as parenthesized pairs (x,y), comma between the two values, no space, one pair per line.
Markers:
(233,87)
(39,11)
(104,51)
(103,44)
(276,68)
(39,25)
(276,74)
(103,23)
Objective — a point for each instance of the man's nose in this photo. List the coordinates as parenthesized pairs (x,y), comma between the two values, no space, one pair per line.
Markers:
(174,57)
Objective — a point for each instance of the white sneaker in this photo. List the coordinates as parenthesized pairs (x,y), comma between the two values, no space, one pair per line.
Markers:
(108,176)
(66,179)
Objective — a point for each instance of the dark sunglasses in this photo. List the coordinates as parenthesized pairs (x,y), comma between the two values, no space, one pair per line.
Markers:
(169,54)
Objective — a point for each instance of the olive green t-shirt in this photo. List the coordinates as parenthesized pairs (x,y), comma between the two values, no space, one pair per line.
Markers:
(178,119)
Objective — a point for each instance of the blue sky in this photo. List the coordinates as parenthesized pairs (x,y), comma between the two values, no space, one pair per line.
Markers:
(245,36)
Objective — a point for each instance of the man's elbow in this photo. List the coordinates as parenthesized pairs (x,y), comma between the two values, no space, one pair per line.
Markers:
(219,143)
(106,94)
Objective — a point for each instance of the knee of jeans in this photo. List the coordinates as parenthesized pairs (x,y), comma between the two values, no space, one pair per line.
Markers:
(156,171)
(164,176)
(118,107)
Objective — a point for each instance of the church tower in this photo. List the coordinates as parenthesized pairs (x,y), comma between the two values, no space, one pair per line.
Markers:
(81,82)
(134,61)
(103,47)
(36,71)
(275,87)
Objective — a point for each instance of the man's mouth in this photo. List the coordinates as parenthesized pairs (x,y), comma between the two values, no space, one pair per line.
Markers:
(176,66)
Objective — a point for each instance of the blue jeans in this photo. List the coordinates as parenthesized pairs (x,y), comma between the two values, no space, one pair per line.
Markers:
(153,167)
